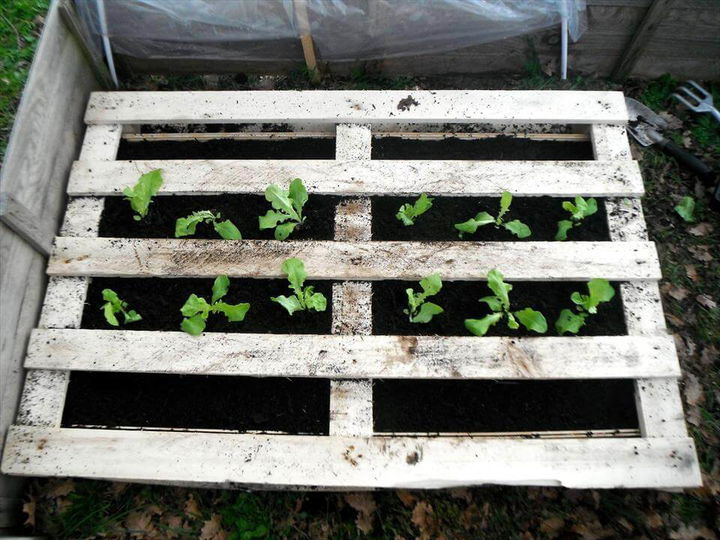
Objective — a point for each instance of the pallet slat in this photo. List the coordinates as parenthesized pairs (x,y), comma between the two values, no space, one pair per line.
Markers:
(368,177)
(232,459)
(354,356)
(357,261)
(366,106)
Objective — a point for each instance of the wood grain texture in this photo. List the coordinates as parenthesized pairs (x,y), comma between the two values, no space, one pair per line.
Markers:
(358,106)
(373,177)
(357,261)
(233,460)
(36,230)
(354,357)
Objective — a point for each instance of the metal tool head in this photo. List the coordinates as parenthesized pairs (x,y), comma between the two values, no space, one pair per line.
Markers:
(644,123)
(699,103)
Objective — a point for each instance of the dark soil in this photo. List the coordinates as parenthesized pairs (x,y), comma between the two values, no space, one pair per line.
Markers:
(501,406)
(498,148)
(159,301)
(307,148)
(243,210)
(198,402)
(460,301)
(541,214)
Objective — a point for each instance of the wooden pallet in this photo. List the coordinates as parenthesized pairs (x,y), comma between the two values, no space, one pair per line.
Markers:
(661,455)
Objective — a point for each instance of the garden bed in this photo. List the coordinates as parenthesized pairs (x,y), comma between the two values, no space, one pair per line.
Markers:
(379,401)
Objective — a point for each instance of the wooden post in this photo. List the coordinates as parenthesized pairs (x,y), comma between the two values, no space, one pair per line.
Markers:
(303,23)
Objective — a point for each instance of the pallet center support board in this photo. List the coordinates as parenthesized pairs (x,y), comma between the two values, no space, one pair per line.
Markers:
(353,455)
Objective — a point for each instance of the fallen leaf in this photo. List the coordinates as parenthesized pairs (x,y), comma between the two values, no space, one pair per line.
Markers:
(461,493)
(706,300)
(691,272)
(673,122)
(701,253)
(693,533)
(693,390)
(675,321)
(422,518)
(678,293)
(173,525)
(701,229)
(62,488)
(709,355)
(365,505)
(212,529)
(407,498)
(29,509)
(552,525)
(654,520)
(139,523)
(191,507)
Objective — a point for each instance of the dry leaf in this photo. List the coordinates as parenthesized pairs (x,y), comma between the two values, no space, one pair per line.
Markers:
(191,507)
(461,493)
(693,390)
(692,533)
(552,525)
(709,355)
(407,498)
(29,509)
(174,524)
(364,503)
(673,122)
(212,529)
(701,253)
(62,488)
(701,229)
(691,272)
(706,300)
(139,523)
(677,322)
(422,518)
(678,293)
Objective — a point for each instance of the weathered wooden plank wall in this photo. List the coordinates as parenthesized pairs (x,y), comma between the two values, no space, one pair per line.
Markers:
(44,142)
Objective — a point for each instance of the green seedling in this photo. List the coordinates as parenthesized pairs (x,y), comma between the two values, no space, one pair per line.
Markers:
(304,298)
(419,310)
(196,309)
(517,227)
(686,209)
(113,305)
(186,226)
(408,213)
(499,304)
(287,209)
(141,194)
(599,291)
(578,212)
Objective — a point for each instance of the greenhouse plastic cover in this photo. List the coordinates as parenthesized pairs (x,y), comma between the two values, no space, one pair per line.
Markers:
(342,30)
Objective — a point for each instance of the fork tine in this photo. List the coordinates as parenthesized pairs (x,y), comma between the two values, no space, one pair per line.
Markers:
(704,93)
(683,101)
(690,94)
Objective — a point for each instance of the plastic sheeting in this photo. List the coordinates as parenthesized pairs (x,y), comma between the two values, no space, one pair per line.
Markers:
(342,30)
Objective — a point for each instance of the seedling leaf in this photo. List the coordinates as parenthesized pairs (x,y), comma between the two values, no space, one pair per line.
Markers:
(512,323)
(113,305)
(140,195)
(569,322)
(193,325)
(505,201)
(194,305)
(233,312)
(409,212)
(518,228)
(493,301)
(472,224)
(289,205)
(280,200)
(563,227)
(186,226)
(303,299)
(315,301)
(427,311)
(227,230)
(271,219)
(284,230)
(110,314)
(196,310)
(479,327)
(417,312)
(220,287)
(500,288)
(686,209)
(532,320)
(600,291)
(290,303)
(295,270)
(298,196)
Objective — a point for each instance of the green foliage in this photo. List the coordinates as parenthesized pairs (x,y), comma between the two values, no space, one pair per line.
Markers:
(657,93)
(517,227)
(246,518)
(113,305)
(707,131)
(419,310)
(686,209)
(304,298)
(141,194)
(287,205)
(196,309)
(599,291)
(408,213)
(186,226)
(578,212)
(499,304)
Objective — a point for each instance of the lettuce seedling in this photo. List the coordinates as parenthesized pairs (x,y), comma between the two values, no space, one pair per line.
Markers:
(304,298)
(141,194)
(686,209)
(287,206)
(599,291)
(517,227)
(419,310)
(196,309)
(499,304)
(113,305)
(408,213)
(578,211)
(186,226)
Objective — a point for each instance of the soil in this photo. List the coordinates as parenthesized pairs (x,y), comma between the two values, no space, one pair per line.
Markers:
(198,402)
(159,301)
(501,406)
(460,300)
(305,148)
(243,210)
(497,148)
(541,214)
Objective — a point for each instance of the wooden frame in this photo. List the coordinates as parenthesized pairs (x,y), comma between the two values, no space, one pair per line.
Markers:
(353,456)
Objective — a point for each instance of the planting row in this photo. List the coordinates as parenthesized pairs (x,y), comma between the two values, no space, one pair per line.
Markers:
(291,214)
(397,309)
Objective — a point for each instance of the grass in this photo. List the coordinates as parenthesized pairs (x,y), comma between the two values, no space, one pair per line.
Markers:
(20,21)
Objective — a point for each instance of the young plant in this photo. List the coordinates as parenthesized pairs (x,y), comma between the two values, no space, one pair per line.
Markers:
(288,205)
(186,226)
(517,227)
(686,209)
(141,194)
(578,212)
(408,213)
(196,309)
(418,309)
(113,305)
(499,304)
(599,291)
(304,298)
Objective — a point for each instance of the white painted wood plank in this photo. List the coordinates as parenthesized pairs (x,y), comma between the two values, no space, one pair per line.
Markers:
(366,106)
(610,142)
(353,220)
(229,460)
(351,356)
(626,220)
(64,302)
(82,217)
(43,398)
(369,177)
(351,408)
(357,261)
(101,142)
(352,308)
(353,142)
(660,408)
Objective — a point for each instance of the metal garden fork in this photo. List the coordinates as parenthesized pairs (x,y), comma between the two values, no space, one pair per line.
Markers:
(701,104)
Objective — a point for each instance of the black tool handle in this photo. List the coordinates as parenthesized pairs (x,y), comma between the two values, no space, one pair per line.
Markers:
(686,159)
